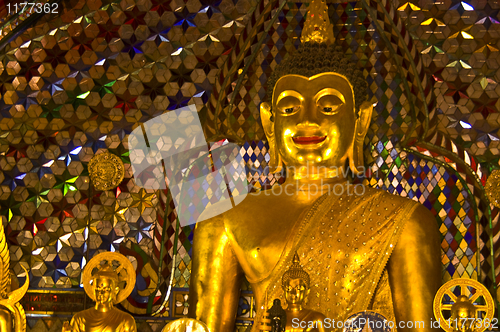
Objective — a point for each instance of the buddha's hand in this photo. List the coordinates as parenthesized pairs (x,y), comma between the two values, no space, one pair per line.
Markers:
(66,327)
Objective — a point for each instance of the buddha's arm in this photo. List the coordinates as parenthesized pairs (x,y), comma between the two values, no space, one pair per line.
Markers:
(74,325)
(415,270)
(215,277)
(5,320)
(130,326)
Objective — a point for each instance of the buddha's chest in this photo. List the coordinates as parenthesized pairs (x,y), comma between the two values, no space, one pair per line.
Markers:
(92,320)
(259,238)
(344,238)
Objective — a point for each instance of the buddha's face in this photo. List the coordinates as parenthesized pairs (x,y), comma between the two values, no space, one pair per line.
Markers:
(105,290)
(296,291)
(314,119)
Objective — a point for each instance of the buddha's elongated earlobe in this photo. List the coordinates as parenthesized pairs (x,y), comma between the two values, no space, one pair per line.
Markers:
(356,160)
(115,293)
(266,116)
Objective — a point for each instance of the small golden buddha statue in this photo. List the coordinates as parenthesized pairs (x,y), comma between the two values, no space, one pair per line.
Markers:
(463,313)
(12,316)
(296,286)
(364,249)
(103,287)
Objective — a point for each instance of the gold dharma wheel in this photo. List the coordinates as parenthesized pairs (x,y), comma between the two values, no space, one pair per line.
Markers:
(492,188)
(185,325)
(106,171)
(471,292)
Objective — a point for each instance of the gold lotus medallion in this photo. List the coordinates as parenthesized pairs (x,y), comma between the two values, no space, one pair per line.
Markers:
(492,188)
(106,171)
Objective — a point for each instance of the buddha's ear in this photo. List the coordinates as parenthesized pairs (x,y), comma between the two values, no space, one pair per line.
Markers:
(356,159)
(266,116)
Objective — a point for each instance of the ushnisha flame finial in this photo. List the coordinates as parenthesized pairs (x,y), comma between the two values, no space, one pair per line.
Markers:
(317,28)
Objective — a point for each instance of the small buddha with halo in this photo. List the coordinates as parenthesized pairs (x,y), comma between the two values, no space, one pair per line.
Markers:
(105,290)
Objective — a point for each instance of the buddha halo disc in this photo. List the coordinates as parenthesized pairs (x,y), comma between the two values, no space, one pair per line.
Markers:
(464,284)
(95,262)
(106,171)
(317,27)
(492,188)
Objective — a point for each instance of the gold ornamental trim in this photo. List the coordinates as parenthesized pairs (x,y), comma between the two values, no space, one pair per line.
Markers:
(106,171)
(492,188)
(109,257)
(488,308)
(17,295)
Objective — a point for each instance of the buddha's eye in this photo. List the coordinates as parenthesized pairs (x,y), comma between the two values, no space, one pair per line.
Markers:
(330,109)
(290,110)
(330,104)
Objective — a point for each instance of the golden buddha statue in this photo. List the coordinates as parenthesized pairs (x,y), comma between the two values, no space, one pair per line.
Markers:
(296,286)
(104,288)
(12,316)
(364,249)
(463,313)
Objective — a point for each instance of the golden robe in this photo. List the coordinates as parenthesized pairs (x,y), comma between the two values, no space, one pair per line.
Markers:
(344,243)
(91,320)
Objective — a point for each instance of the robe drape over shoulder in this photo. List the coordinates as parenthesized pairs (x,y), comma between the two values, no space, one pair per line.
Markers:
(344,243)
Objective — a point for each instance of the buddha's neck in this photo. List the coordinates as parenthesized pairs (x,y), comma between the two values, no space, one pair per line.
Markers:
(313,185)
(104,307)
(311,173)
(294,306)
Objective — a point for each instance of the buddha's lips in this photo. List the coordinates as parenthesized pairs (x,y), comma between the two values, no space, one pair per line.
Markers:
(308,139)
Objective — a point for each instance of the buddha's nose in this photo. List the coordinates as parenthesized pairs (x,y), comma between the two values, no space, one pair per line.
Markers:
(308,126)
(309,115)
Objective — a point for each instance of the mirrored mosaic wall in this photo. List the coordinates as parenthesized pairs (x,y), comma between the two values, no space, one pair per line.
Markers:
(76,84)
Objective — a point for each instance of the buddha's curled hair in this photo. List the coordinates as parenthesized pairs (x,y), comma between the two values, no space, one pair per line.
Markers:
(313,58)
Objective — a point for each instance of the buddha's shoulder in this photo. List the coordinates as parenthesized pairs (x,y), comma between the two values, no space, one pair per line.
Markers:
(414,211)
(239,207)
(123,315)
(383,197)
(256,210)
(84,313)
